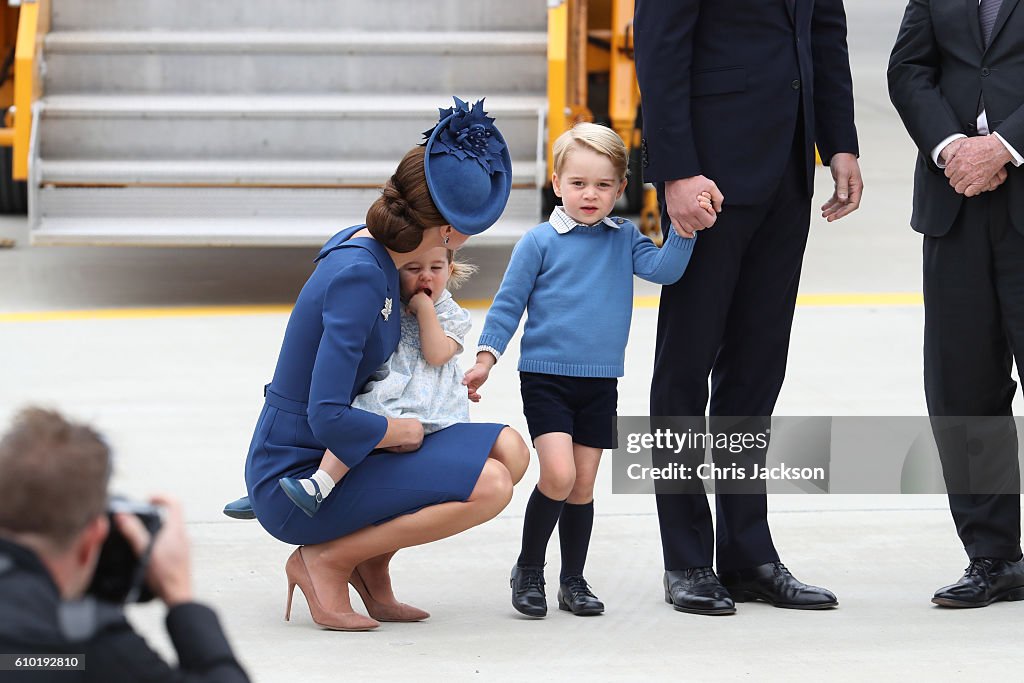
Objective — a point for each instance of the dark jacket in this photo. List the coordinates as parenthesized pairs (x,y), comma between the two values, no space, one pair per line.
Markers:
(724,83)
(34,620)
(937,72)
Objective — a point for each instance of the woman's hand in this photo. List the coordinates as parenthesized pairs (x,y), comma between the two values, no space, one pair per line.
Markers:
(404,435)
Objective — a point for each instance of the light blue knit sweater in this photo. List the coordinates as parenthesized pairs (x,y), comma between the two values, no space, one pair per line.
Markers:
(577,289)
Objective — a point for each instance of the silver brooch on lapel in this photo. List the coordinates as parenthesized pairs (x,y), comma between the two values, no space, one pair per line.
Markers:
(386,311)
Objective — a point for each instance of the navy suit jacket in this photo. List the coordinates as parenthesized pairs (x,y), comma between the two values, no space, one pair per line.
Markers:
(724,83)
(937,72)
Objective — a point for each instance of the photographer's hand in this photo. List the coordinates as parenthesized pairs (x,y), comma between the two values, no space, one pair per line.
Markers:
(169,569)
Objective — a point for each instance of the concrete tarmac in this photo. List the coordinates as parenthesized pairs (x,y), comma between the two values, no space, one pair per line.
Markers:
(178,393)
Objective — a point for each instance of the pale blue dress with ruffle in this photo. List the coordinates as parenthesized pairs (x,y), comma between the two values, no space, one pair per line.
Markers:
(407,386)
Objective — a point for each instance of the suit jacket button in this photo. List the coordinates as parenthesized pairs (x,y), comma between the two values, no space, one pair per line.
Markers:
(795,84)
(985,71)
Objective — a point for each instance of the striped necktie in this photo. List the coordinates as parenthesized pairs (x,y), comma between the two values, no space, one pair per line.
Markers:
(987,11)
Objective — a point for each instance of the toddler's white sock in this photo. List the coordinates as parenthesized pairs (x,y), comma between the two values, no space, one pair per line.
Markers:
(322,479)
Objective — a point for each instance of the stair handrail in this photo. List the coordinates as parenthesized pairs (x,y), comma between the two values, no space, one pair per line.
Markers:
(33,25)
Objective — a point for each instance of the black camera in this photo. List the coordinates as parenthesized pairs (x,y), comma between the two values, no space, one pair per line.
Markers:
(120,574)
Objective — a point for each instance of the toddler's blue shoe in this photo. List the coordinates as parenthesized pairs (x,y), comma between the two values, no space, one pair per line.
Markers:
(296,492)
(240,509)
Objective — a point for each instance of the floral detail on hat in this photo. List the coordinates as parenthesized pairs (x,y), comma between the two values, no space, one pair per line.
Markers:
(468,134)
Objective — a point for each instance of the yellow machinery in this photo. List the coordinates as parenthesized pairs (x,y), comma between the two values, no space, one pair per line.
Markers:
(21,28)
(591,77)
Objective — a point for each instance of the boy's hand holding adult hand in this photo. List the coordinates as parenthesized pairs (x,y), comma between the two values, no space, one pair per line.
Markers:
(684,209)
(478,374)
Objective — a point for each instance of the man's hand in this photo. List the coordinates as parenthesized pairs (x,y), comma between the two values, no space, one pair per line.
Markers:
(684,209)
(478,374)
(975,164)
(998,179)
(169,571)
(849,187)
(950,150)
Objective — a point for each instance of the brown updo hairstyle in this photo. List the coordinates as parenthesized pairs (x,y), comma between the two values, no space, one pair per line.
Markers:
(404,209)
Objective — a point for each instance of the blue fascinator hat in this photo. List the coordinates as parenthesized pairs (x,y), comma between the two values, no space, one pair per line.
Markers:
(468,168)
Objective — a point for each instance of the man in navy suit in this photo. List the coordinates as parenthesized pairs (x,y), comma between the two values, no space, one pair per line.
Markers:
(736,94)
(955,76)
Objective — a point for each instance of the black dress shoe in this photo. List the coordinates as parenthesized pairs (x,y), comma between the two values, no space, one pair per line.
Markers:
(574,596)
(697,591)
(986,580)
(773,584)
(528,591)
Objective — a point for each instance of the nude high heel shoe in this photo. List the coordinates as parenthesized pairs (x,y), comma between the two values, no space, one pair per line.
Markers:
(380,611)
(298,574)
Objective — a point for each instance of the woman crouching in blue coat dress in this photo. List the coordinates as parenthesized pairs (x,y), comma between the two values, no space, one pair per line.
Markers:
(398,488)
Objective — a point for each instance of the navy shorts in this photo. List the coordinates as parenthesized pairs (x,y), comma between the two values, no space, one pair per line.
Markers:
(583,407)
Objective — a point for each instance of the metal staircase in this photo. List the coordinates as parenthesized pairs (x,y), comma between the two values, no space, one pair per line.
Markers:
(266,121)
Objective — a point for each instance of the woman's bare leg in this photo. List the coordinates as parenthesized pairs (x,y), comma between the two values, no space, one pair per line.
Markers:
(511,451)
(331,563)
(377,577)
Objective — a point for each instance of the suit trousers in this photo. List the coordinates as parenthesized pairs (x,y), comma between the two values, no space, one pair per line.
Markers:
(729,317)
(974,328)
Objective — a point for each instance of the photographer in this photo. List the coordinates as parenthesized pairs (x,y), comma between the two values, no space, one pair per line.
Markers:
(53,524)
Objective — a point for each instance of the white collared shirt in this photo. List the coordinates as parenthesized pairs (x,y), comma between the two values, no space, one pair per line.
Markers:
(563,222)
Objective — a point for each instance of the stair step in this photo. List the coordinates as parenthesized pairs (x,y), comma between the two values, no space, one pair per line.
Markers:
(268,62)
(300,172)
(226,216)
(329,127)
(276,42)
(308,14)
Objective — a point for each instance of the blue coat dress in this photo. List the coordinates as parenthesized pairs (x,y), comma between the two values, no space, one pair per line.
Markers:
(345,324)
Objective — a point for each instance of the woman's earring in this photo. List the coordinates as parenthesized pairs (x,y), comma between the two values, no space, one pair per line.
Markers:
(446,240)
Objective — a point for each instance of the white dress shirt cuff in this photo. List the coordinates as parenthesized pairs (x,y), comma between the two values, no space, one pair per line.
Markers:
(941,146)
(1017,159)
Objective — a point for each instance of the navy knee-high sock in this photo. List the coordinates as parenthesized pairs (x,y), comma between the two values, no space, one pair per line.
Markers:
(541,517)
(574,527)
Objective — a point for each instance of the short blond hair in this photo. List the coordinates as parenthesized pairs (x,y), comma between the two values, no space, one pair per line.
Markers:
(600,139)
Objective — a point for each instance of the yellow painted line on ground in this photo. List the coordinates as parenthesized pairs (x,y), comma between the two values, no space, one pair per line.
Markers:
(142,313)
(863,300)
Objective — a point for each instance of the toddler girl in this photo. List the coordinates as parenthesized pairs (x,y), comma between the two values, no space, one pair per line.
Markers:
(422,378)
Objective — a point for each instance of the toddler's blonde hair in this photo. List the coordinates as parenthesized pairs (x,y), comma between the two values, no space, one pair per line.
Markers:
(600,139)
(461,271)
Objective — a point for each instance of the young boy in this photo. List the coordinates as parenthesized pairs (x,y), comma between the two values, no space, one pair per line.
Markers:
(575,274)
